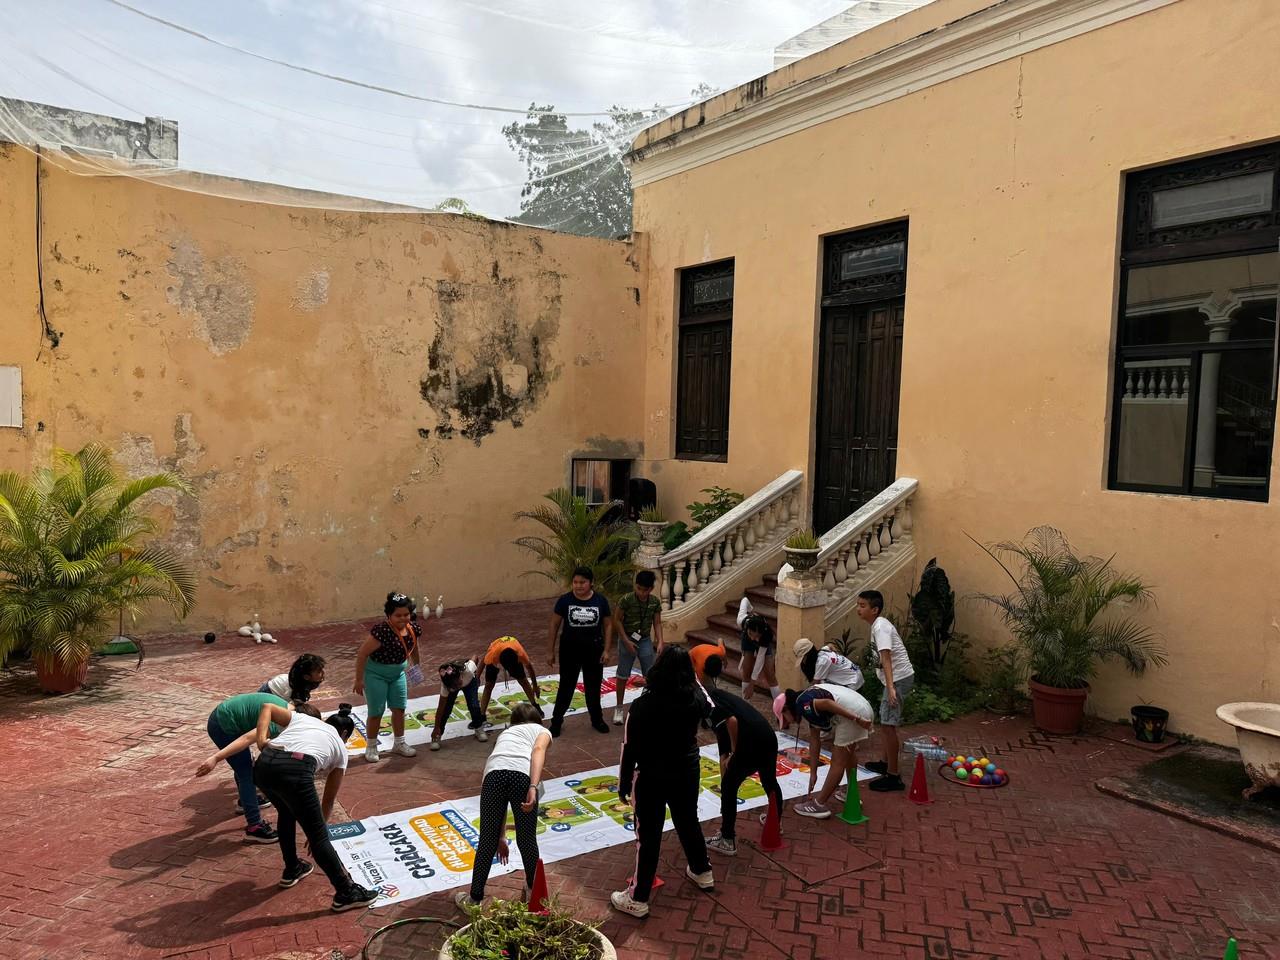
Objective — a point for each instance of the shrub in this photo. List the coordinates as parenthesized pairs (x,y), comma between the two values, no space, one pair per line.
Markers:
(579,535)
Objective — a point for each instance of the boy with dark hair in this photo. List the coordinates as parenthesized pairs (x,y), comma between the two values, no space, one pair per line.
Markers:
(638,622)
(508,653)
(458,676)
(898,676)
(587,637)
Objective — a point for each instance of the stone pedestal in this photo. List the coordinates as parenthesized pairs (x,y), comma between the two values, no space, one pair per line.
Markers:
(802,612)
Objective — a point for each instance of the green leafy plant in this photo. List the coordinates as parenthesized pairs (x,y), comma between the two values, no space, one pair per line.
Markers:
(1002,678)
(507,930)
(933,610)
(719,502)
(1056,610)
(652,515)
(580,535)
(676,534)
(74,554)
(803,540)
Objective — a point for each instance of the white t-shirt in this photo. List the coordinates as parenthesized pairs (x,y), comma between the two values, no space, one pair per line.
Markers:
(833,668)
(885,637)
(514,749)
(316,739)
(279,685)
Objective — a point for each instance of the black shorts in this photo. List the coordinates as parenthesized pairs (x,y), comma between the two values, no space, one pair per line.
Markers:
(750,646)
(492,670)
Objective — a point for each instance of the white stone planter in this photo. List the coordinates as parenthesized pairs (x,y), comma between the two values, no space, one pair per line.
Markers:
(651,532)
(606,948)
(801,560)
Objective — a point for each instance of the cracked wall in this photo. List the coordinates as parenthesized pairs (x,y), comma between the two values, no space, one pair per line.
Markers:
(361,401)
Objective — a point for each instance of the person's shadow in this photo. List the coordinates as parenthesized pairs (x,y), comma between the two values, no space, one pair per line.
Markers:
(183,921)
(213,831)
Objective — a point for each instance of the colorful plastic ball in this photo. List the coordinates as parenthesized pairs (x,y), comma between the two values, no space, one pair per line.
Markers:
(971,759)
(983,761)
(1000,773)
(962,773)
(956,765)
(991,768)
(958,758)
(987,779)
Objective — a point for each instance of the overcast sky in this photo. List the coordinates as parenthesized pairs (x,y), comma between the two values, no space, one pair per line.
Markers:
(243,117)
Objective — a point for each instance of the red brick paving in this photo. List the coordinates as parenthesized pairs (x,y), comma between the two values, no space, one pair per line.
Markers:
(111,849)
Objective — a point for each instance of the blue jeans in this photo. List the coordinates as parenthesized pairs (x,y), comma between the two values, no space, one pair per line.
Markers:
(242,766)
(627,659)
(445,707)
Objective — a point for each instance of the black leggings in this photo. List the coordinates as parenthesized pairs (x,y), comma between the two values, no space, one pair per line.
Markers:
(650,797)
(502,788)
(738,769)
(290,784)
(581,658)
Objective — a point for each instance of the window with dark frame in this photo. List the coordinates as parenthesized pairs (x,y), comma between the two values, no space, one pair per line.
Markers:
(703,361)
(1195,377)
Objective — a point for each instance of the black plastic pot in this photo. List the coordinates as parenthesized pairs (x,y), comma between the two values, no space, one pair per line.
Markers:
(1149,723)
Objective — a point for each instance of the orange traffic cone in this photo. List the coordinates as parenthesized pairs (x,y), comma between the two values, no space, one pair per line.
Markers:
(538,895)
(919,783)
(771,839)
(658,883)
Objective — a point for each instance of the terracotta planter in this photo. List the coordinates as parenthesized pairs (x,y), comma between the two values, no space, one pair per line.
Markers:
(606,948)
(58,677)
(1057,709)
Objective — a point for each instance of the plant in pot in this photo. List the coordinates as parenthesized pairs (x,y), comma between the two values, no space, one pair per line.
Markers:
(652,525)
(509,930)
(576,534)
(74,553)
(1060,615)
(802,549)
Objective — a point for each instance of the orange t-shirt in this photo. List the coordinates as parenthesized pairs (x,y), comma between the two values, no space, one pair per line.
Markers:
(506,643)
(699,654)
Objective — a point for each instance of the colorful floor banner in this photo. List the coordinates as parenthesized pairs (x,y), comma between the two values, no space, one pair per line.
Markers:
(418,852)
(420,714)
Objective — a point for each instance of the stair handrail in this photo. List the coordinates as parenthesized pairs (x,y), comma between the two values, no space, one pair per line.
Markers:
(859,539)
(724,542)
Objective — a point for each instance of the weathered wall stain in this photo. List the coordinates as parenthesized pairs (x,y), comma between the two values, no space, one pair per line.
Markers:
(311,292)
(487,364)
(217,291)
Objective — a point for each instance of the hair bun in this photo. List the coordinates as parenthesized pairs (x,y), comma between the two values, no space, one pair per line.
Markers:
(344,709)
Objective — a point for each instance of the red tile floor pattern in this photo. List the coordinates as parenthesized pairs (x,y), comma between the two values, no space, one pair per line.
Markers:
(110,848)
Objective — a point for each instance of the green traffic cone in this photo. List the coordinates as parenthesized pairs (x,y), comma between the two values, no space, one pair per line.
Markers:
(1233,952)
(853,803)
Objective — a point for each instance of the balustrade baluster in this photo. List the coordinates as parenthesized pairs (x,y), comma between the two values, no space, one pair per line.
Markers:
(1163,390)
(864,557)
(906,518)
(1128,384)
(704,568)
(664,587)
(749,540)
(770,520)
(873,543)
(728,550)
(681,566)
(886,538)
(828,576)
(739,547)
(693,573)
(715,560)
(841,571)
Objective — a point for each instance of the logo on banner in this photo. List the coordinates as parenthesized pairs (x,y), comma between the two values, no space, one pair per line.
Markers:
(450,838)
(345,831)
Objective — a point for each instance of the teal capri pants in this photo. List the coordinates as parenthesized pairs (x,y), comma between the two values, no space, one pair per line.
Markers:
(385,686)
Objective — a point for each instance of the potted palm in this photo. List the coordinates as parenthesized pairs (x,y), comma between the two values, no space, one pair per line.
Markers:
(1061,616)
(576,534)
(73,555)
(509,929)
(802,549)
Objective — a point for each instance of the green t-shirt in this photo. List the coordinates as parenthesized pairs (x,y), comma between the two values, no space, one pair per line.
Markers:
(238,715)
(637,615)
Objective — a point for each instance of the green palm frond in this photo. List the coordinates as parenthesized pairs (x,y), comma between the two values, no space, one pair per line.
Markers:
(73,555)
(1062,611)
(575,535)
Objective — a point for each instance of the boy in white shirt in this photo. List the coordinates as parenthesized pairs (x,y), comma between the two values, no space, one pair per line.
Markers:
(898,676)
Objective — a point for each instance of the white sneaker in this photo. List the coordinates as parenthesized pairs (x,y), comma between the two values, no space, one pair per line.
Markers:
(482,736)
(811,808)
(404,749)
(464,901)
(622,902)
(617,716)
(705,881)
(371,753)
(435,744)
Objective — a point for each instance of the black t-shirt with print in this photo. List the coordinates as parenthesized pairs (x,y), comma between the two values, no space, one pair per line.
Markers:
(583,619)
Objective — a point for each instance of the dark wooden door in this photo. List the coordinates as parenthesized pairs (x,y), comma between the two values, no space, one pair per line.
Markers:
(859,373)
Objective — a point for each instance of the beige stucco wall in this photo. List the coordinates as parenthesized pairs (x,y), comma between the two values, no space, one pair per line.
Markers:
(286,360)
(1011,177)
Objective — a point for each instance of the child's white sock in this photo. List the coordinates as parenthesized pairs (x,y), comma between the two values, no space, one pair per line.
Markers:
(399,740)
(746,688)
(774,691)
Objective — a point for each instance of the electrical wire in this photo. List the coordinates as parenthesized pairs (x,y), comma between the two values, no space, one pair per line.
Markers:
(377,88)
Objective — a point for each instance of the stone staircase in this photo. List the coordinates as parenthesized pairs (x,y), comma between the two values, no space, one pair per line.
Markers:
(722,627)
